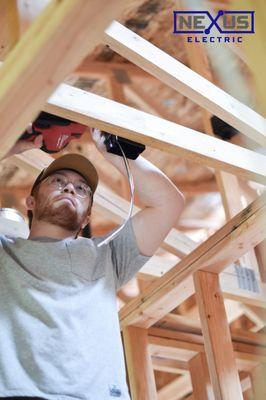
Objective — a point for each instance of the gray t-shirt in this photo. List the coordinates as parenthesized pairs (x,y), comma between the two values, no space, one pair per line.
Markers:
(59,327)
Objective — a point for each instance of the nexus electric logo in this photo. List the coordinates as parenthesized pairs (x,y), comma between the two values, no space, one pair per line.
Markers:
(225,22)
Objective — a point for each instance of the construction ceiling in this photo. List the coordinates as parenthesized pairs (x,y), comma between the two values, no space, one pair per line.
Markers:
(108,74)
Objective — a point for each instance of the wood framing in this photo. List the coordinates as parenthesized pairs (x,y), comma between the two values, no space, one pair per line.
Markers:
(176,390)
(200,378)
(184,80)
(139,364)
(229,243)
(217,338)
(108,115)
(228,184)
(186,345)
(9,26)
(52,47)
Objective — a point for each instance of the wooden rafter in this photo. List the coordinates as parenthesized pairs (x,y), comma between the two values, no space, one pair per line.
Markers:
(247,228)
(108,115)
(51,48)
(184,80)
(217,338)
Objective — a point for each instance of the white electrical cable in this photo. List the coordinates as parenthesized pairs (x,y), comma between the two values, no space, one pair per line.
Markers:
(132,189)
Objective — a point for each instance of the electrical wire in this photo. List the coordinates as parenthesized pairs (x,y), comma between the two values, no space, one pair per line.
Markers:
(132,190)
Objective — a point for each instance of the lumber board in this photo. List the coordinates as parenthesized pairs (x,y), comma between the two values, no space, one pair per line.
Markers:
(51,48)
(183,346)
(234,239)
(200,378)
(9,26)
(177,389)
(108,115)
(181,78)
(217,338)
(139,364)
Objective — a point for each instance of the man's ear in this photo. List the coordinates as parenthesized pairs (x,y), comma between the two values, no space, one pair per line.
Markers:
(30,202)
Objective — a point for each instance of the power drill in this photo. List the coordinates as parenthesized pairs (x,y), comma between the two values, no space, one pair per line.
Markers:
(57,132)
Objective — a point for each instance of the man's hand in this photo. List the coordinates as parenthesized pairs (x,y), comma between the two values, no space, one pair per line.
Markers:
(98,138)
(162,201)
(23,145)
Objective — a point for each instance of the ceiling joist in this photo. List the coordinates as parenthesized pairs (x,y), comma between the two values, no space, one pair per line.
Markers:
(181,78)
(52,48)
(108,115)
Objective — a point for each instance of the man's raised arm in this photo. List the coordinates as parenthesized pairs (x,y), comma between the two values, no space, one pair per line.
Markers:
(161,199)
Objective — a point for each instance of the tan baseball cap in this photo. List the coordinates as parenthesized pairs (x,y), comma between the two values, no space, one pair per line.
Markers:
(74,162)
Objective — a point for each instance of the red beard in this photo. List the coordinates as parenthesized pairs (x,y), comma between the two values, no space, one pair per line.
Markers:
(64,215)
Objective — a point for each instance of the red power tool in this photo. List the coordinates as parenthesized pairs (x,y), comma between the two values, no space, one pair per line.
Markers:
(57,132)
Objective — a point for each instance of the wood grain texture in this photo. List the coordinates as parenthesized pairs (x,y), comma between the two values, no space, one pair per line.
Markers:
(51,48)
(217,339)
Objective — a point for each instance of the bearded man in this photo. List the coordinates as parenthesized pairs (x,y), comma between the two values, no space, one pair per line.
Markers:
(59,333)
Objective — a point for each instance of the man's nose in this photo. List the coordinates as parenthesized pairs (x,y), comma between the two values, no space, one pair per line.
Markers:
(69,188)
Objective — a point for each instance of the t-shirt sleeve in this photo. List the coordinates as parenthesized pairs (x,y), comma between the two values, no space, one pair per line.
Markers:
(126,257)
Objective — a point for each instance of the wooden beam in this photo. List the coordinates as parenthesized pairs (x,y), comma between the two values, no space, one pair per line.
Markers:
(51,48)
(181,78)
(229,243)
(9,26)
(175,348)
(217,339)
(245,385)
(116,89)
(103,69)
(176,390)
(228,184)
(139,364)
(186,345)
(185,324)
(171,366)
(258,380)
(202,389)
(105,114)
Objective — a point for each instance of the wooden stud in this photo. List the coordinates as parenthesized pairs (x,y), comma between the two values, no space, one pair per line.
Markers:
(139,364)
(169,365)
(202,389)
(116,89)
(235,238)
(217,339)
(258,380)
